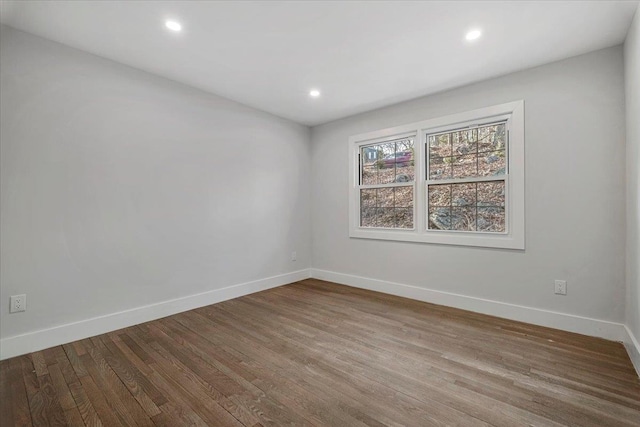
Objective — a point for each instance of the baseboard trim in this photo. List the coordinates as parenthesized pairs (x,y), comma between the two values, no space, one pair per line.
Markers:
(62,334)
(633,348)
(552,319)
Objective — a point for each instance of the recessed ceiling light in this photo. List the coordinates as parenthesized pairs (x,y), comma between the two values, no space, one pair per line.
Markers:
(314,93)
(473,34)
(173,26)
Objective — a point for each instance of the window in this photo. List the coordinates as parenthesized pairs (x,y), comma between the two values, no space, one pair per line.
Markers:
(466,176)
(453,180)
(387,173)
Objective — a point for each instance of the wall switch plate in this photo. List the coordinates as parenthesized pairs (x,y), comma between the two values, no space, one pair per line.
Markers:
(294,256)
(561,287)
(18,303)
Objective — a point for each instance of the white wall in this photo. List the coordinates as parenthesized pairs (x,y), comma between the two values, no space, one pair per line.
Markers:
(632,86)
(122,189)
(575,194)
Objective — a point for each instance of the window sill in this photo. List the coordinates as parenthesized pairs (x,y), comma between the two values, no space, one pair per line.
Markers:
(499,241)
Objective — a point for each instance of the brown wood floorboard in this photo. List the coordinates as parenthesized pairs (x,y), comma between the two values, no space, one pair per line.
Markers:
(320,354)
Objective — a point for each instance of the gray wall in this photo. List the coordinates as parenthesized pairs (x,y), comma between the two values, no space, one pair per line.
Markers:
(575,194)
(121,189)
(632,80)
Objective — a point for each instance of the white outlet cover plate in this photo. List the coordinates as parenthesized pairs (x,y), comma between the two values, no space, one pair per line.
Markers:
(18,303)
(561,287)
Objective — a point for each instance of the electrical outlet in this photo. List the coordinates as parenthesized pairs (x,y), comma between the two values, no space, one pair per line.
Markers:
(18,303)
(561,287)
(294,256)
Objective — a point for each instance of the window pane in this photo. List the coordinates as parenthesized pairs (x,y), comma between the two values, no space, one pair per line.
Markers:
(491,138)
(394,218)
(459,219)
(385,197)
(463,195)
(465,166)
(385,164)
(439,195)
(492,163)
(440,145)
(491,193)
(440,167)
(465,142)
(439,218)
(404,161)
(369,175)
(386,218)
(463,219)
(468,153)
(491,219)
(388,162)
(404,145)
(368,217)
(368,198)
(404,218)
(405,172)
(467,207)
(404,197)
(387,207)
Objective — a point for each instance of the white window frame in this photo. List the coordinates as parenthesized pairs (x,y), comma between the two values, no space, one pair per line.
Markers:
(513,238)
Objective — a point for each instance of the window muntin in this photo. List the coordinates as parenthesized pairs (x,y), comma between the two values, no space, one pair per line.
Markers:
(386,190)
(471,161)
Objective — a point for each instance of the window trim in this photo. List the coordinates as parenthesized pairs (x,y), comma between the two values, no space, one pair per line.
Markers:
(514,238)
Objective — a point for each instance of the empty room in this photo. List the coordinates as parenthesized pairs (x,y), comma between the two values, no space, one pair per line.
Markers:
(319,213)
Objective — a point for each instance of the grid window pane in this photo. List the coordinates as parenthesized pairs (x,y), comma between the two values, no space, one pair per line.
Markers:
(440,167)
(463,195)
(463,219)
(440,195)
(491,138)
(368,217)
(465,166)
(491,219)
(404,218)
(368,198)
(459,155)
(389,207)
(468,153)
(464,142)
(404,197)
(440,145)
(491,193)
(492,163)
(369,175)
(388,162)
(467,206)
(440,218)
(385,197)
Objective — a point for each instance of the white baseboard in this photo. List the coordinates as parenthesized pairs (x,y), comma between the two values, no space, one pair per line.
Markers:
(633,348)
(552,319)
(62,334)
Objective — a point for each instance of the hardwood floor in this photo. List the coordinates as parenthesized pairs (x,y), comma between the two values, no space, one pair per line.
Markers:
(317,353)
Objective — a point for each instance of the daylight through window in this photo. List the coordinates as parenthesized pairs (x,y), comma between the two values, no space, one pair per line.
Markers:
(386,190)
(466,176)
(452,180)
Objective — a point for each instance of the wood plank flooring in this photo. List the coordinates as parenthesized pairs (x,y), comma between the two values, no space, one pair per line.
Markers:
(317,353)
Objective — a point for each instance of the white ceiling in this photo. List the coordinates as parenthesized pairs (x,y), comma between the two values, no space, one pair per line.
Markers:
(361,55)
